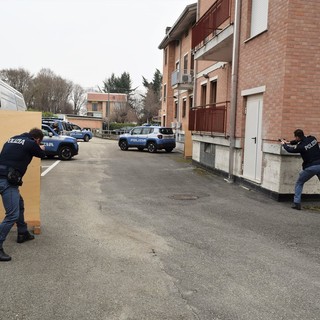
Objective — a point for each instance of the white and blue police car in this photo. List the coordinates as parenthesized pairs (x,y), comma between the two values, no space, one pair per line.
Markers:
(152,138)
(64,147)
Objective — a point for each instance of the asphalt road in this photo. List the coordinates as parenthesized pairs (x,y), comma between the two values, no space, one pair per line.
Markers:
(139,236)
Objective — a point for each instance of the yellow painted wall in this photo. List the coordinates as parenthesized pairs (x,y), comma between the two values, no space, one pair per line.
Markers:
(14,123)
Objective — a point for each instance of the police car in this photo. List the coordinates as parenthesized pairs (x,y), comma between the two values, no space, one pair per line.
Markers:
(152,138)
(69,128)
(64,147)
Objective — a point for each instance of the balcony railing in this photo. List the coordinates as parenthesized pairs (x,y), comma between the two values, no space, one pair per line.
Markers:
(209,118)
(217,14)
(184,77)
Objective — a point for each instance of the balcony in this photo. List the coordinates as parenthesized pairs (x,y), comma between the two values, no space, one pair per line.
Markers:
(209,118)
(182,80)
(212,36)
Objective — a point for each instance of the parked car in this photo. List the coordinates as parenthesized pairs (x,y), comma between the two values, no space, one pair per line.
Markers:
(64,147)
(152,138)
(122,130)
(69,128)
(79,133)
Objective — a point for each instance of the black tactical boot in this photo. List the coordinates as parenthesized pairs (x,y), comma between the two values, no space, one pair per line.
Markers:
(296,206)
(4,256)
(22,237)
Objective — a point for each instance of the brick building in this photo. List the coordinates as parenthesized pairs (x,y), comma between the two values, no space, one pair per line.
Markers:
(256,74)
(178,79)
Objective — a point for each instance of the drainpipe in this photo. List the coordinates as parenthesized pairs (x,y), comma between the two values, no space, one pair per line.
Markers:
(234,85)
(195,66)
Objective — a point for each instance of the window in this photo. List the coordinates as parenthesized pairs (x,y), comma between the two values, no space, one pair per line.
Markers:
(45,132)
(65,126)
(145,131)
(207,147)
(190,102)
(213,92)
(94,106)
(185,63)
(165,56)
(184,107)
(166,131)
(75,127)
(136,131)
(175,109)
(192,64)
(259,16)
(164,92)
(203,95)
(177,65)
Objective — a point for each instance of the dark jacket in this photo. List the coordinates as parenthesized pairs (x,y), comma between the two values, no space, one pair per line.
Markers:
(308,148)
(18,152)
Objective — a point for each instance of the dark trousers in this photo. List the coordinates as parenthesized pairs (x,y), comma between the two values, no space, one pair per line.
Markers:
(14,209)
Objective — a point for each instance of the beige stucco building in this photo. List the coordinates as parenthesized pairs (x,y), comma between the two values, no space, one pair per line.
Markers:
(105,105)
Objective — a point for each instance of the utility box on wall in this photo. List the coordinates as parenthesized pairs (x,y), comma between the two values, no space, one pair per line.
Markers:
(14,123)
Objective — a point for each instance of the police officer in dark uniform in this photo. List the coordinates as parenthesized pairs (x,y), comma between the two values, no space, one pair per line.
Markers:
(309,150)
(55,127)
(15,157)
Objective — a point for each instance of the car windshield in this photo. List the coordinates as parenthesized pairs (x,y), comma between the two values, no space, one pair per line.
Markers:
(166,131)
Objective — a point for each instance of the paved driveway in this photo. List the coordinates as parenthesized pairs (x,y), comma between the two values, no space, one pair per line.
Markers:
(134,235)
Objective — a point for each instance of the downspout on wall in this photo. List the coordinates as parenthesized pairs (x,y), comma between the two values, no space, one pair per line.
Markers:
(234,86)
(195,71)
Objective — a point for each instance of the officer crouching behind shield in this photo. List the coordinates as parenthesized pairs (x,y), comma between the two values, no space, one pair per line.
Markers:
(308,148)
(15,157)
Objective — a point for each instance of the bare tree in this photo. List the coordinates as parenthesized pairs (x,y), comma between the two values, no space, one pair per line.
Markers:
(61,93)
(51,92)
(151,100)
(78,98)
(119,114)
(151,106)
(19,79)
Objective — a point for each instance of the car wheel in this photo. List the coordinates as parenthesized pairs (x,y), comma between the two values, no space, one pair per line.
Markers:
(123,145)
(86,138)
(140,148)
(152,147)
(169,149)
(65,153)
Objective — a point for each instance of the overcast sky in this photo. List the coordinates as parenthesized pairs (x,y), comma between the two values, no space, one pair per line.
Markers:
(85,41)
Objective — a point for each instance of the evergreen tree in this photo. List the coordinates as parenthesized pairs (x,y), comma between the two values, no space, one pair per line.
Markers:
(122,84)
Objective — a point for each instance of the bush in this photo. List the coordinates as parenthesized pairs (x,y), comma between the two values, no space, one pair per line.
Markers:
(116,125)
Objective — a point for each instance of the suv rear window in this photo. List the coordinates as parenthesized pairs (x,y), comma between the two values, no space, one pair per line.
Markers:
(166,131)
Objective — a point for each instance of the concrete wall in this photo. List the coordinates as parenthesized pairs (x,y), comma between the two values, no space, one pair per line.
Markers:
(83,122)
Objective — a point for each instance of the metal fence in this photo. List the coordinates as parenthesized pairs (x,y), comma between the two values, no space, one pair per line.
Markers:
(209,118)
(218,13)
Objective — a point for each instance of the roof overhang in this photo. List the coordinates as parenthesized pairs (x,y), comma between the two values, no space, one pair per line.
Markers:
(187,18)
